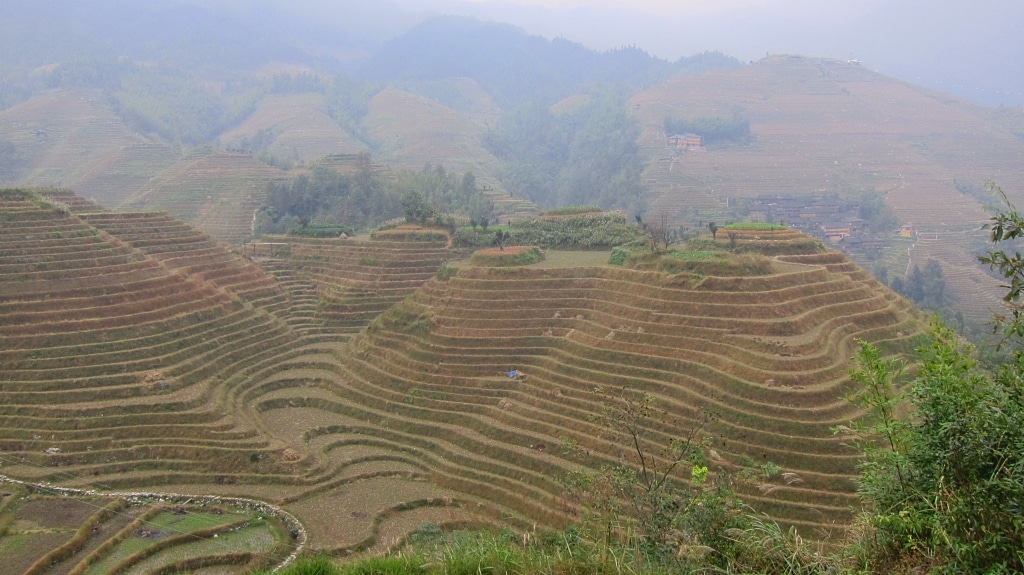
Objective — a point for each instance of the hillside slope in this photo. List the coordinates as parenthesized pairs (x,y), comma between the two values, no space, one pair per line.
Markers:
(213,190)
(300,126)
(411,131)
(133,350)
(140,353)
(766,354)
(64,137)
(830,127)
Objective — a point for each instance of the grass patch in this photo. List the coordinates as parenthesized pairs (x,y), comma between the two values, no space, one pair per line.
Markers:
(507,257)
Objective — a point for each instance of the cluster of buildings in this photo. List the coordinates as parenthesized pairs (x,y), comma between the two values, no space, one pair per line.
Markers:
(830,219)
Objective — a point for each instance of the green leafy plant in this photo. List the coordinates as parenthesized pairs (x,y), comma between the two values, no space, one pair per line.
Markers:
(944,484)
(643,503)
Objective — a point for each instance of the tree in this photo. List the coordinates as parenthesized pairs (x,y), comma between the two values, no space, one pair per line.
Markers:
(415,208)
(658,231)
(501,237)
(1007,225)
(713,228)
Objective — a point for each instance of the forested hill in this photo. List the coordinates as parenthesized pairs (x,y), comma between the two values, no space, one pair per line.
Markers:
(516,67)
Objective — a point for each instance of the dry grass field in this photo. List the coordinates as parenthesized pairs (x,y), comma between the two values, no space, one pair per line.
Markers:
(349,384)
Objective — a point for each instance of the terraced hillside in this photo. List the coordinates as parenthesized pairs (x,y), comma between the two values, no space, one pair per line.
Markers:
(411,130)
(825,126)
(126,173)
(212,190)
(137,353)
(132,350)
(302,130)
(58,530)
(63,137)
(345,283)
(766,353)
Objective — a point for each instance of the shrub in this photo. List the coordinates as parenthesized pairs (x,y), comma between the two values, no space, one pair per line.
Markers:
(755,226)
(446,271)
(945,484)
(619,256)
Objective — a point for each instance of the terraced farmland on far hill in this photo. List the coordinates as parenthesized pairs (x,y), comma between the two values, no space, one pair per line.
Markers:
(139,354)
(212,190)
(63,137)
(822,127)
(302,130)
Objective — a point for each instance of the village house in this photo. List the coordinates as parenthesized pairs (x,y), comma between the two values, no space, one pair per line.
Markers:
(836,230)
(685,142)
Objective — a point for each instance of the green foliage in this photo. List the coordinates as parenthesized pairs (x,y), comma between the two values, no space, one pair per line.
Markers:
(701,261)
(585,156)
(619,256)
(765,547)
(572,210)
(358,200)
(433,191)
(586,231)
(712,129)
(446,272)
(366,198)
(945,484)
(878,216)
(318,565)
(693,255)
(416,210)
(1007,225)
(925,288)
(601,230)
(178,106)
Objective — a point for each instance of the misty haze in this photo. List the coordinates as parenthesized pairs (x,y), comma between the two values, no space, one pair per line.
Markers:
(513,286)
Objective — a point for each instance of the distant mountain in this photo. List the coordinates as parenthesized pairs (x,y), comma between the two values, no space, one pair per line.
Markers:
(514,66)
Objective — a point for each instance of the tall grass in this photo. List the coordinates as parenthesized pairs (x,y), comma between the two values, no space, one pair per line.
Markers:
(500,553)
(764,548)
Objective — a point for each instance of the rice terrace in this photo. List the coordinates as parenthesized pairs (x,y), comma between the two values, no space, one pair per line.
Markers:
(171,403)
